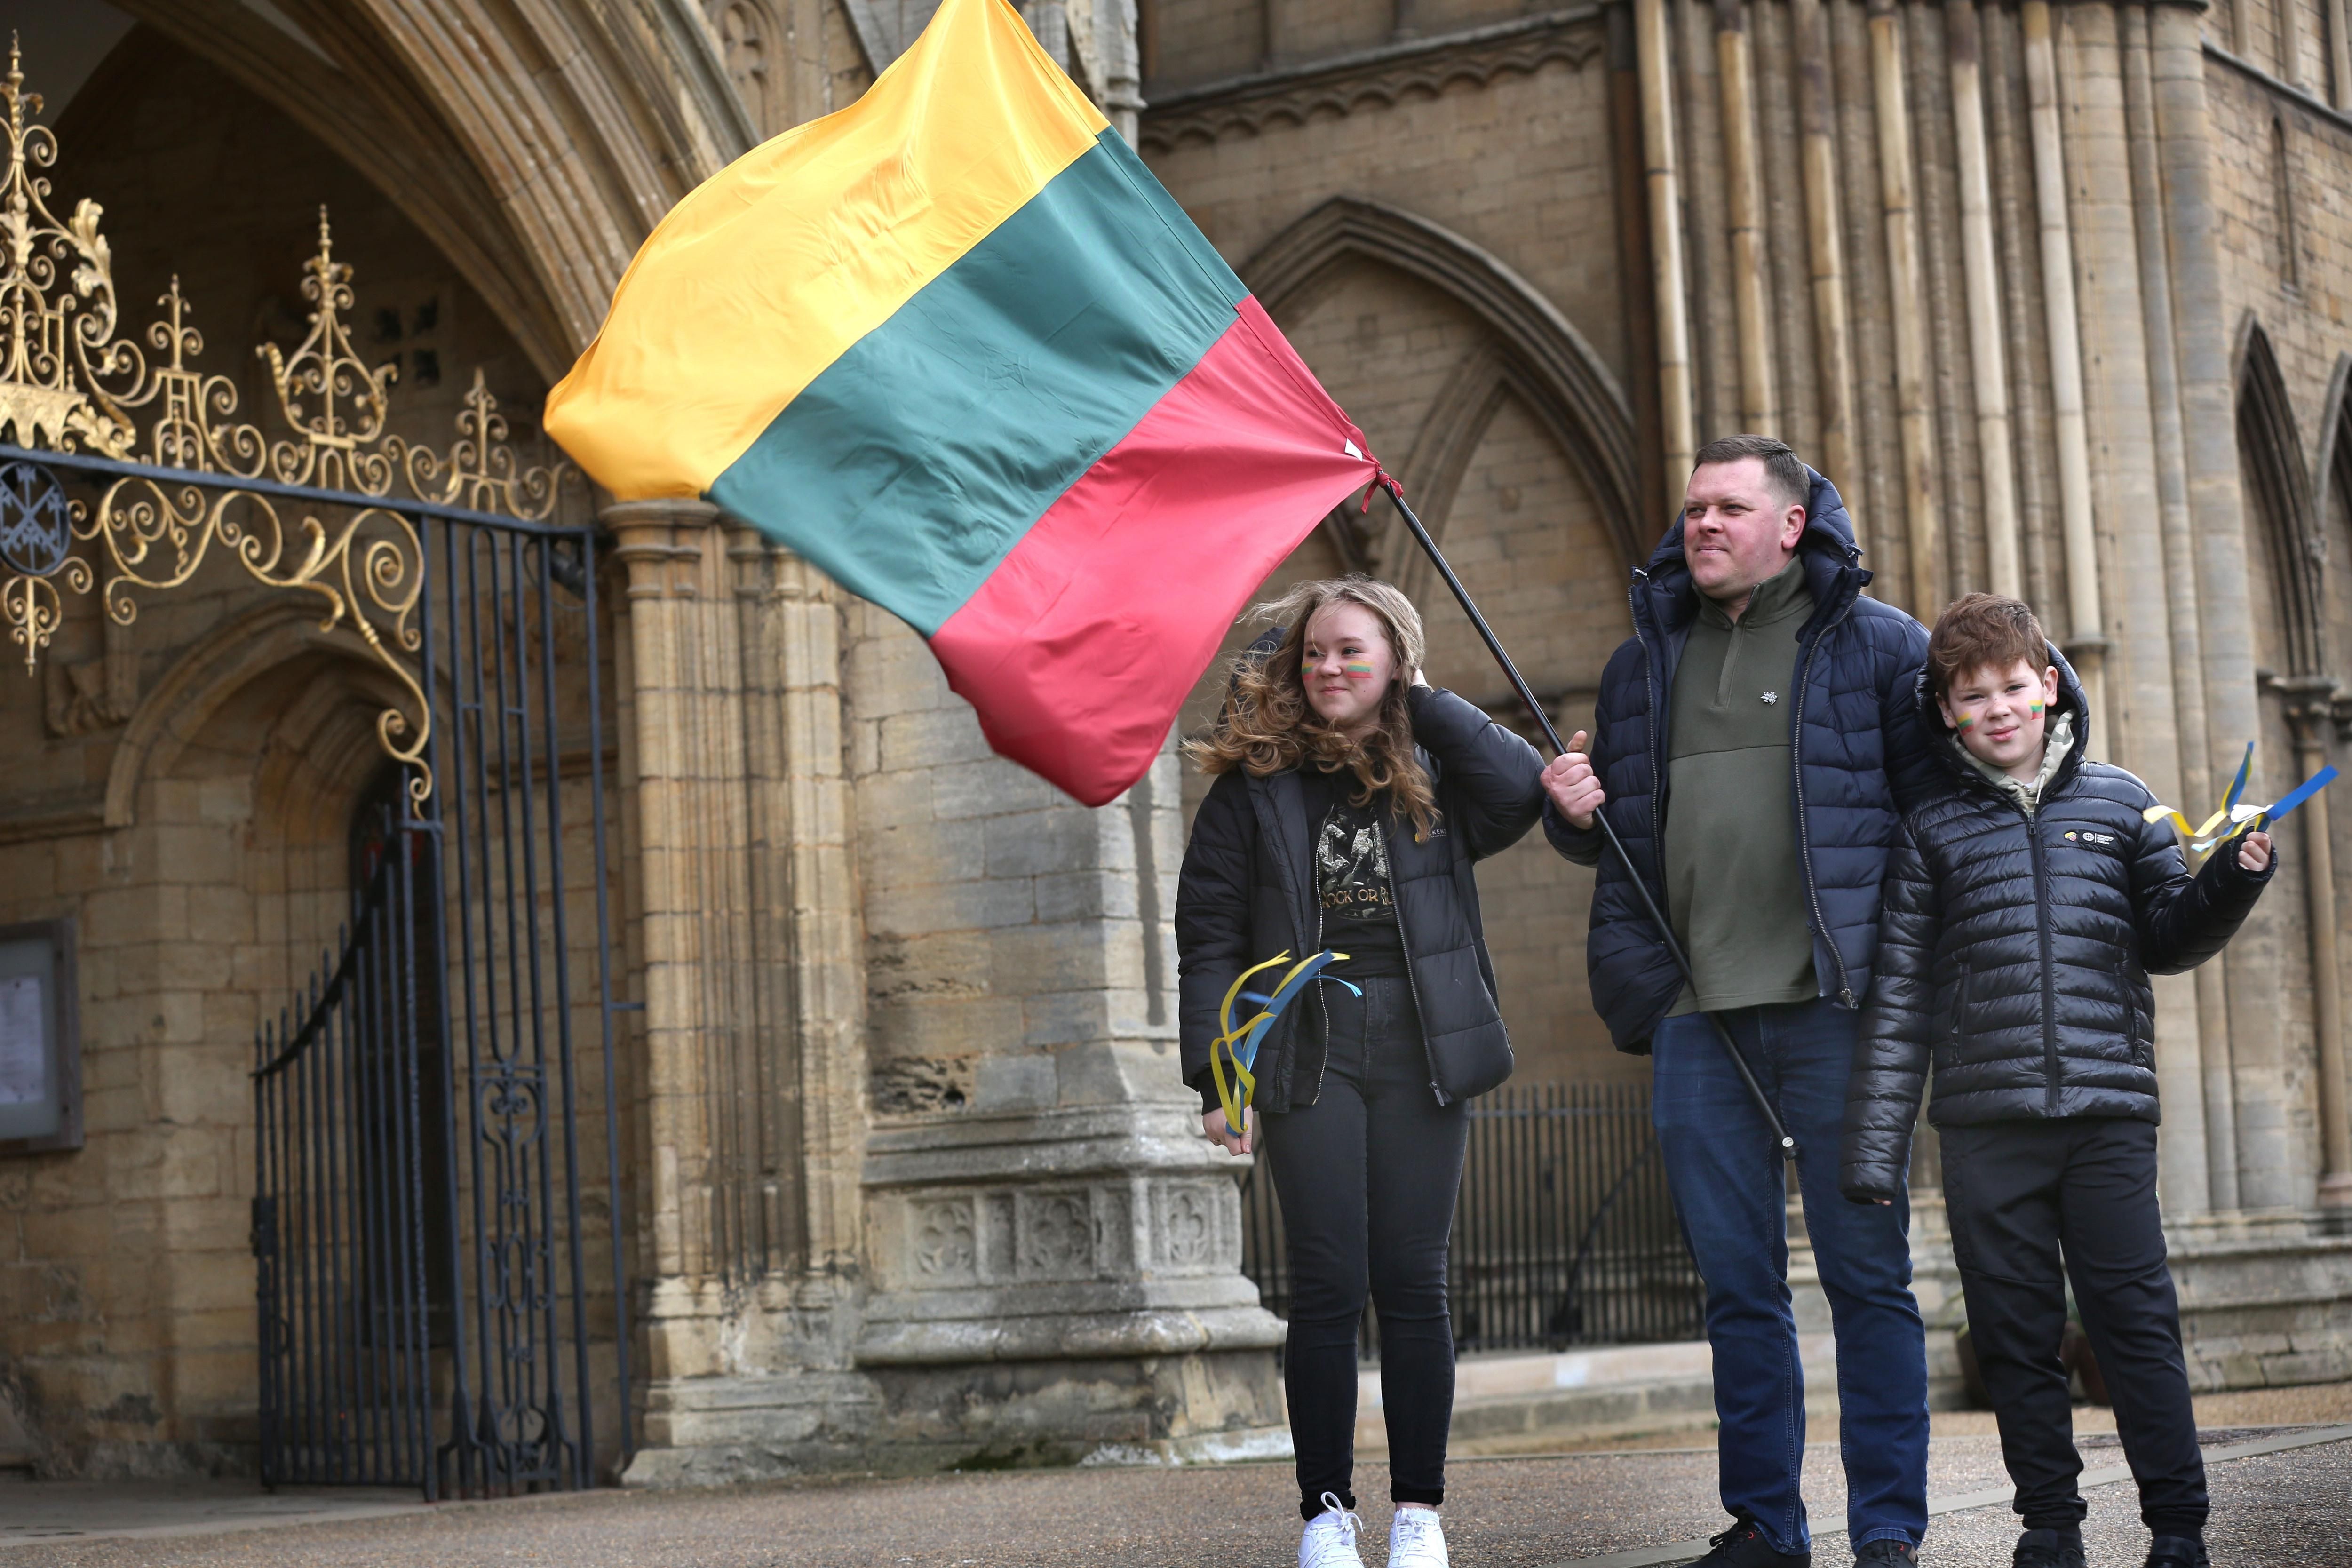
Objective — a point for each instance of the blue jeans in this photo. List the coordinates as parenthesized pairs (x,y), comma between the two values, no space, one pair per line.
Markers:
(1729,1187)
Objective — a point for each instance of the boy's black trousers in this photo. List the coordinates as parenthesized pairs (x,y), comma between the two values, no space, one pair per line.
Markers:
(2019,1194)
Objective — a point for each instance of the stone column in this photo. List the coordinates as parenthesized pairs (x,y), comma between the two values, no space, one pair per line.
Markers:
(1981,272)
(749,1284)
(2225,624)
(1751,289)
(1677,417)
(2167,699)
(2114,398)
(1825,248)
(1896,181)
(657,546)
(2311,709)
(2085,639)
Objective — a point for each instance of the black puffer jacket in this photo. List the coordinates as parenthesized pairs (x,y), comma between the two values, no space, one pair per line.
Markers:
(2014,955)
(1856,747)
(1248,892)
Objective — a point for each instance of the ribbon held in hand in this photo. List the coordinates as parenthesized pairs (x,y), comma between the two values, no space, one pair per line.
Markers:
(2240,816)
(1238,1045)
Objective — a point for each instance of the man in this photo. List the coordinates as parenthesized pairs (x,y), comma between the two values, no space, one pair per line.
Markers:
(1748,744)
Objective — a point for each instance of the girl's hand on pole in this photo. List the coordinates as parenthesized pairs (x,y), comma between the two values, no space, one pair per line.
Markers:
(2254,851)
(1212,1124)
(1568,780)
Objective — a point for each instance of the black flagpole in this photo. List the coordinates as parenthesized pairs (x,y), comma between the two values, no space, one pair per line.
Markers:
(1786,1146)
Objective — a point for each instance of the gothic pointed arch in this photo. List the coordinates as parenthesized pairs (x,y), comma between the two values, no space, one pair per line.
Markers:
(1537,352)
(2270,449)
(277,634)
(534,145)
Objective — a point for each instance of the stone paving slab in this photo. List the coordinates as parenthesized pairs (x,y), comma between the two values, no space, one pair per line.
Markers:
(2286,1509)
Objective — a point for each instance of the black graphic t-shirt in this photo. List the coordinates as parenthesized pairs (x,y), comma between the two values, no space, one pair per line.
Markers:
(1351,877)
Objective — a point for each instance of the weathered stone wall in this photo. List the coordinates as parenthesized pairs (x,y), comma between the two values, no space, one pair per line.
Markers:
(2286,242)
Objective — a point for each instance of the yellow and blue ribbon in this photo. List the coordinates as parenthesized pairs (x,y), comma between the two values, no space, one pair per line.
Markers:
(2241,816)
(1238,1045)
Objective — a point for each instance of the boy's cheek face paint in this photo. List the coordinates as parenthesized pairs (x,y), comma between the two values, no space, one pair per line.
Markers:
(1963,720)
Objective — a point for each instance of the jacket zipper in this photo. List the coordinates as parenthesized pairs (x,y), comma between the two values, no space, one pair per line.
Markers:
(1797,797)
(1660,694)
(1404,945)
(2041,934)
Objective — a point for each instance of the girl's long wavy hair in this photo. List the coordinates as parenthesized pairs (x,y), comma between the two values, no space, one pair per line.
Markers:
(1268,724)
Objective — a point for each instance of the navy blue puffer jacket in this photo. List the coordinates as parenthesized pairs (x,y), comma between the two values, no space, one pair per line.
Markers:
(1857,744)
(2016,955)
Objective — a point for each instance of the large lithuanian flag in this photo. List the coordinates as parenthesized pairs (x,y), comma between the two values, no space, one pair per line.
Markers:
(958,347)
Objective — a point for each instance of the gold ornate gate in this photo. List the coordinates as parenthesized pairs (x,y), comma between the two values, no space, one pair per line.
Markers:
(423,1279)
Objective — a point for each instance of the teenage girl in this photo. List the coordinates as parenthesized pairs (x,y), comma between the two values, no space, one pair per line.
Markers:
(1351,801)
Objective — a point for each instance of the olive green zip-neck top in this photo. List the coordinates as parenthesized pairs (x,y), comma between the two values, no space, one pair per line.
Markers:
(1735,881)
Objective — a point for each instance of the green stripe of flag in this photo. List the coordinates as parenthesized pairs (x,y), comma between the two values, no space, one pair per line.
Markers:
(913,465)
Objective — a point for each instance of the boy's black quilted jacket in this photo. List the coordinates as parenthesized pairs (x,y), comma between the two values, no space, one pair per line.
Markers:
(2014,953)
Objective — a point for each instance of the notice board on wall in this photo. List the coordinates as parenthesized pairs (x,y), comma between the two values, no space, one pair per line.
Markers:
(40,1049)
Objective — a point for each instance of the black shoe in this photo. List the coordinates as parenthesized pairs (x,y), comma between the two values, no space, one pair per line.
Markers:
(2049,1549)
(1897,1552)
(2178,1552)
(1744,1546)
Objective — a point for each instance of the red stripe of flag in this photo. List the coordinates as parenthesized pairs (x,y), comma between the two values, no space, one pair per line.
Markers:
(1082,645)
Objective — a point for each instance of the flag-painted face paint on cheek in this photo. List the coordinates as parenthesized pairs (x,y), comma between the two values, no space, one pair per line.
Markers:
(1358,671)
(1963,720)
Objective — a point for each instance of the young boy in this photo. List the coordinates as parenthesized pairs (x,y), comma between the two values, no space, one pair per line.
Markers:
(2026,905)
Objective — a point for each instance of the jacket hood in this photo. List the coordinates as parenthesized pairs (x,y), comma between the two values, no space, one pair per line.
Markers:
(1827,547)
(2071,701)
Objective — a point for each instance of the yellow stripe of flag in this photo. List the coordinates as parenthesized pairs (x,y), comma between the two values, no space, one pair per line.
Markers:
(775,266)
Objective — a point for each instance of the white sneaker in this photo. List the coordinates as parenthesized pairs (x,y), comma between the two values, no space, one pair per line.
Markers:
(1416,1540)
(1330,1538)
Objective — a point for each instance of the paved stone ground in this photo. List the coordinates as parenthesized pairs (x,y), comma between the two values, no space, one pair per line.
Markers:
(2288,1509)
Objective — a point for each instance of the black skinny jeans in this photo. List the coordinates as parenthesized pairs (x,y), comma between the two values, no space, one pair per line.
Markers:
(2021,1194)
(1367,1177)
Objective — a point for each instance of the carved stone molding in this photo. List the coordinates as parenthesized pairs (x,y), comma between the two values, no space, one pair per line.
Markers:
(1415,67)
(1084,1232)
(998,1236)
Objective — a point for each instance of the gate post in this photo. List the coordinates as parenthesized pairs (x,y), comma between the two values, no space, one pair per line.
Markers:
(745,935)
(659,546)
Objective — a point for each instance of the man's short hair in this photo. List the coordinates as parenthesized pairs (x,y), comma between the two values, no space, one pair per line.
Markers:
(1983,631)
(1783,470)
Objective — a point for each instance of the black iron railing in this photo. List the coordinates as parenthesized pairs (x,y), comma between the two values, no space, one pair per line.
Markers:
(1564,1234)
(441,1287)
(341,1101)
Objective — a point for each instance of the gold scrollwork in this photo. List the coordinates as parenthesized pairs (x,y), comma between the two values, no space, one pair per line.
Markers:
(67,382)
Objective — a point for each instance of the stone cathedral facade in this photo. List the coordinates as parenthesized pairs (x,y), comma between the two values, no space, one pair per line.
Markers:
(898,1168)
